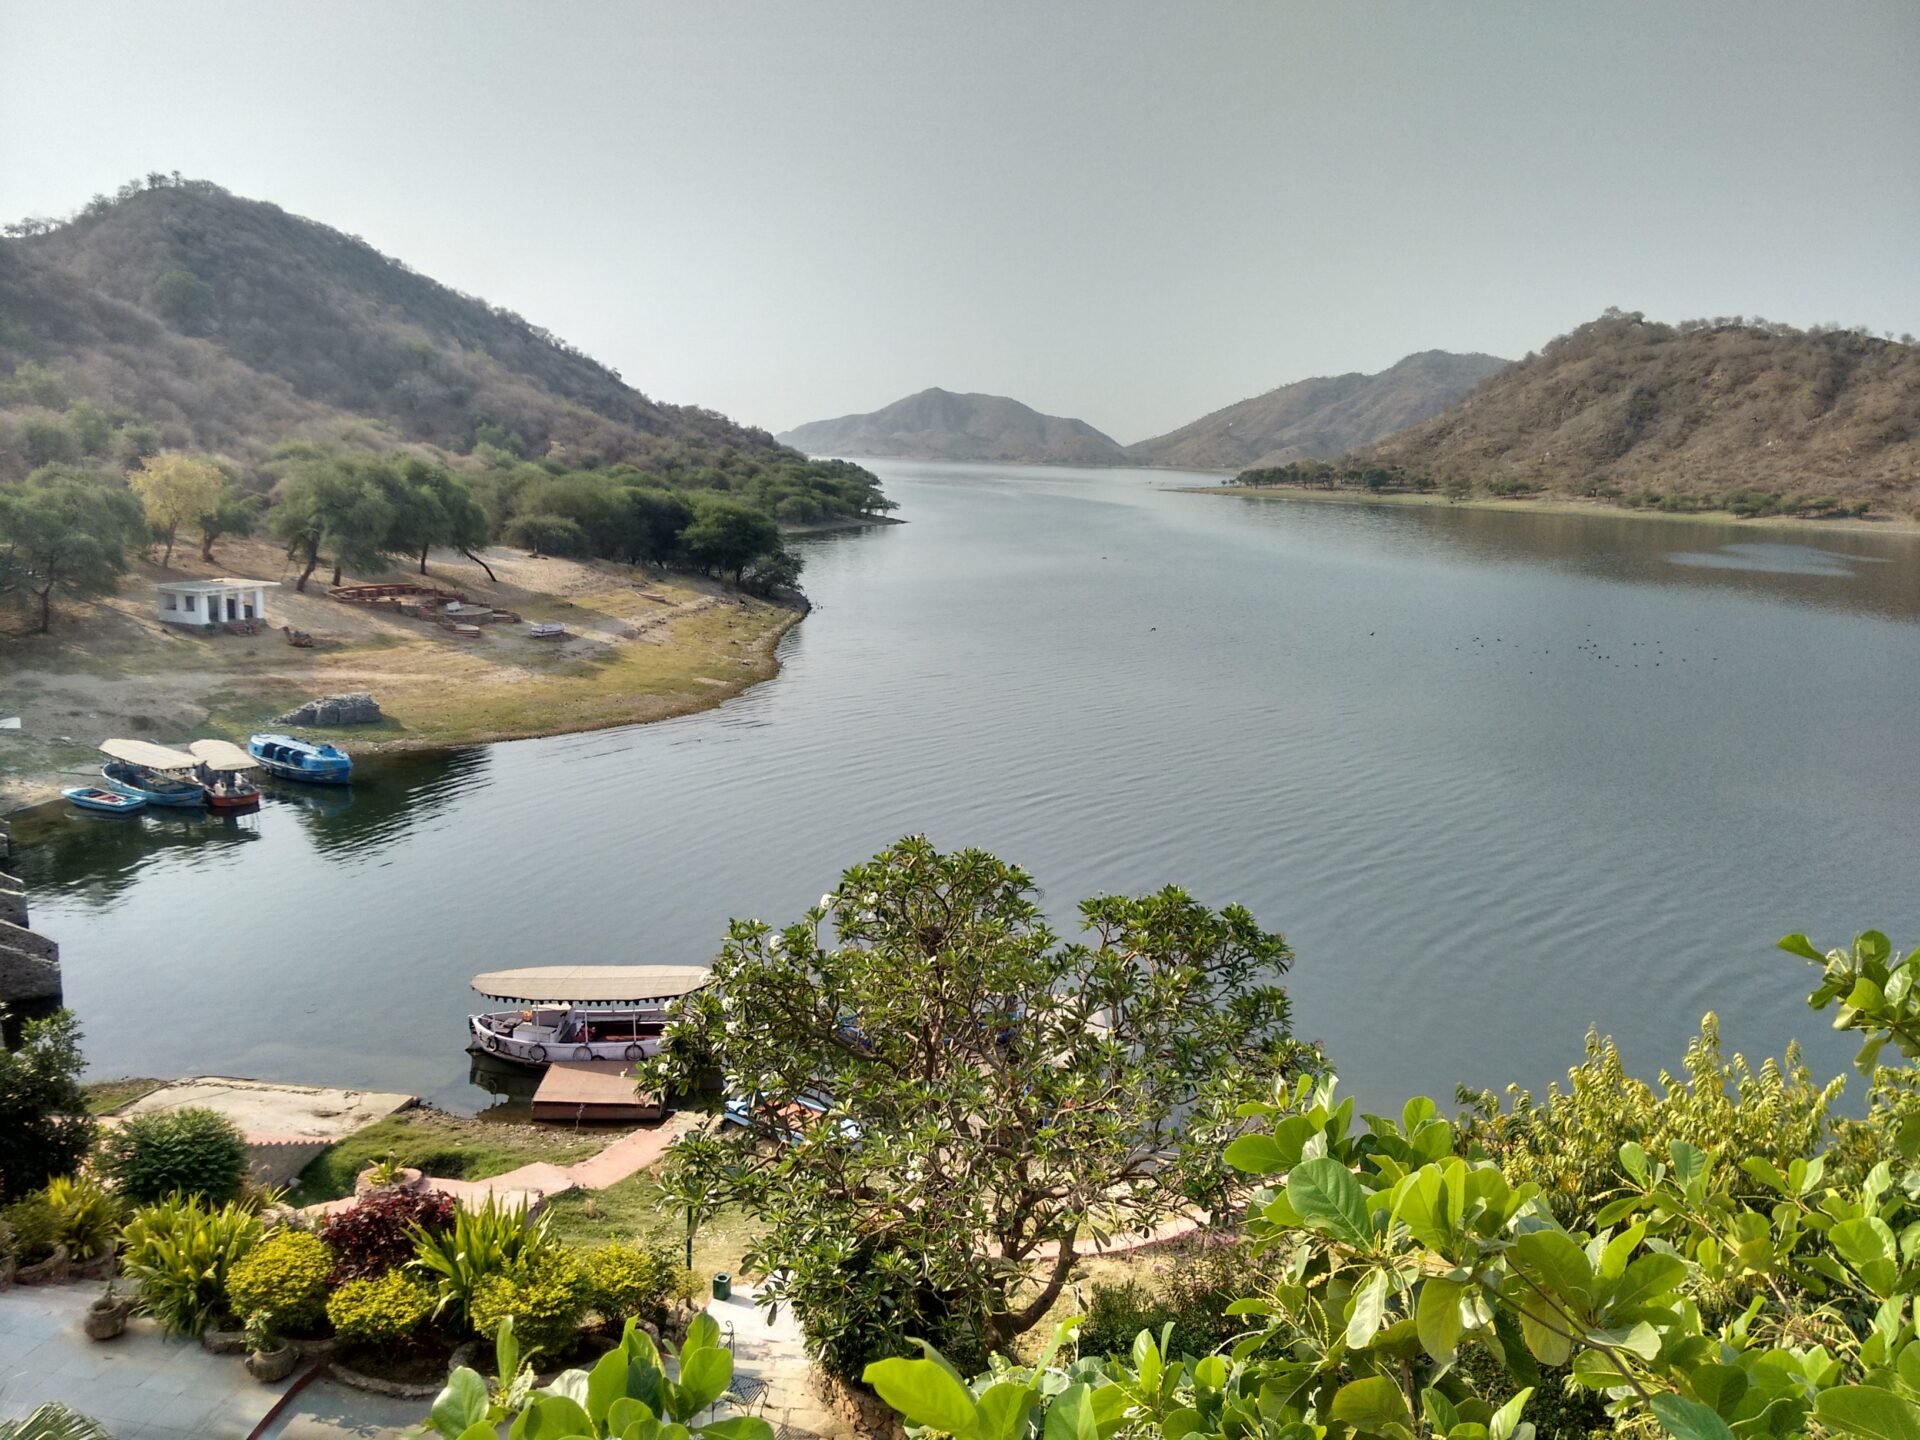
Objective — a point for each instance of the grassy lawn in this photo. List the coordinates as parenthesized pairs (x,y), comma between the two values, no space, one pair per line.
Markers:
(452,1147)
(106,1096)
(633,1210)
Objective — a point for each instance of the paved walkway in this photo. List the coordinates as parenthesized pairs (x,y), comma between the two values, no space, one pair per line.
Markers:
(771,1353)
(144,1386)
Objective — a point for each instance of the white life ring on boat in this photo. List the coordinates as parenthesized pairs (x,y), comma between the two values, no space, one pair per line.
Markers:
(583,1052)
(537,1053)
(635,1051)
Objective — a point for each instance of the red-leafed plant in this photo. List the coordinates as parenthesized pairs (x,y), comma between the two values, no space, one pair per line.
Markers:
(374,1236)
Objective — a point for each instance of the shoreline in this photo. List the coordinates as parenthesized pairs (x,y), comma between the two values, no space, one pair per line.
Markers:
(1890,525)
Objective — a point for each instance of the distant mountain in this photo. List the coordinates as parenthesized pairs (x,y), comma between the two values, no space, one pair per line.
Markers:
(1317,418)
(1624,406)
(232,325)
(940,425)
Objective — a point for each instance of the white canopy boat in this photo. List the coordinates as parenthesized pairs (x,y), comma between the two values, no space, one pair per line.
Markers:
(578,1012)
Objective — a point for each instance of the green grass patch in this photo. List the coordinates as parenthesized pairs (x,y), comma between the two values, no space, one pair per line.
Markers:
(635,1210)
(452,1147)
(106,1096)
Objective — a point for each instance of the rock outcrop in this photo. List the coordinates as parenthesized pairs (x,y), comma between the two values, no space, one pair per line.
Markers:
(355,708)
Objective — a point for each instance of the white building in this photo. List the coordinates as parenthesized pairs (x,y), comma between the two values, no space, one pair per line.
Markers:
(212,602)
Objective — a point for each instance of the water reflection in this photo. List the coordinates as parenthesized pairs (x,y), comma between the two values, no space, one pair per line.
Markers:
(96,858)
(391,794)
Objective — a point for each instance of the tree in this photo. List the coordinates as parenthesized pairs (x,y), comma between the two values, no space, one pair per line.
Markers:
(726,535)
(236,513)
(546,535)
(989,1092)
(176,490)
(65,530)
(336,504)
(433,507)
(44,1127)
(184,298)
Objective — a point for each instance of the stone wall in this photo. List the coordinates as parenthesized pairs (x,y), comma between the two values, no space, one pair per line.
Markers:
(29,963)
(858,1409)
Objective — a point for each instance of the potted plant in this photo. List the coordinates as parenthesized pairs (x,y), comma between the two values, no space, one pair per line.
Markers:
(269,1358)
(107,1316)
(387,1174)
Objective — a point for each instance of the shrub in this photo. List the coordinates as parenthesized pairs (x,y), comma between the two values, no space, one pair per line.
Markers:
(179,1254)
(35,1228)
(195,1152)
(375,1312)
(44,1127)
(544,1293)
(89,1216)
(1192,1298)
(378,1234)
(631,1282)
(284,1277)
(484,1242)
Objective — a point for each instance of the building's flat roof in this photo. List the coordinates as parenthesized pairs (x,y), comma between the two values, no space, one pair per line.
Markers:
(225,582)
(591,984)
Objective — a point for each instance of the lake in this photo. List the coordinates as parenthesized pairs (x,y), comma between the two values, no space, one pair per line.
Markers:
(1498,776)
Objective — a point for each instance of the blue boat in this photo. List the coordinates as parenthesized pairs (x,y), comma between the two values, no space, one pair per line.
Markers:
(103,801)
(291,759)
(152,773)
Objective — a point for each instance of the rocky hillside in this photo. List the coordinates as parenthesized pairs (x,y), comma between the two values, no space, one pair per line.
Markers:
(940,425)
(1325,416)
(231,325)
(1624,407)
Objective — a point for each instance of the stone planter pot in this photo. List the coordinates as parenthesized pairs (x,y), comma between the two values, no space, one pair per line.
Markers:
(363,1186)
(223,1342)
(269,1366)
(50,1271)
(107,1318)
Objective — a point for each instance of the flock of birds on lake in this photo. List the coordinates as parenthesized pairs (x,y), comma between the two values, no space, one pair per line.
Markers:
(1634,654)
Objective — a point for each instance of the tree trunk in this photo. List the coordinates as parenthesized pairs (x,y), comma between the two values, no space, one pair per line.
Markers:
(1005,1327)
(46,608)
(166,560)
(206,546)
(482,564)
(313,561)
(336,570)
(423,558)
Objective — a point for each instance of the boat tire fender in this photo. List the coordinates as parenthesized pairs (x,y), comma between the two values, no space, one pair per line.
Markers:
(634,1052)
(583,1052)
(537,1053)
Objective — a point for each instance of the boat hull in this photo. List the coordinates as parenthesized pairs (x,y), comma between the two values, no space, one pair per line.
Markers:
(492,1035)
(232,802)
(286,758)
(102,801)
(178,795)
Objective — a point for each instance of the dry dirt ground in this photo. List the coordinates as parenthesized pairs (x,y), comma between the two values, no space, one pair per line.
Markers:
(640,647)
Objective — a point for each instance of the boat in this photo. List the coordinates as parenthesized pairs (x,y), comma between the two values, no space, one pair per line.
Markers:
(549,630)
(152,773)
(578,1012)
(290,759)
(222,773)
(102,800)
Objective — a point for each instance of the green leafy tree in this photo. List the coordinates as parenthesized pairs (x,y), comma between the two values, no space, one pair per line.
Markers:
(944,1103)
(65,531)
(728,537)
(44,1127)
(433,507)
(235,513)
(176,490)
(185,299)
(337,505)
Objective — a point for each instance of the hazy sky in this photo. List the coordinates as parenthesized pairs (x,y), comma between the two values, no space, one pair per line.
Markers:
(1132,213)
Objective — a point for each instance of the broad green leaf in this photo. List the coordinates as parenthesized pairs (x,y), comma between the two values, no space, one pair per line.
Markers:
(1649,1275)
(1686,1419)
(1210,1373)
(1110,1406)
(1438,1315)
(1180,1423)
(926,1393)
(623,1414)
(1256,1155)
(704,1375)
(737,1427)
(1368,1309)
(461,1405)
(552,1417)
(1002,1411)
(1798,944)
(1506,1419)
(1373,1405)
(1870,1411)
(1070,1416)
(606,1383)
(1633,1159)
(1439,1411)
(480,1431)
(1720,1386)
(1688,1161)
(1325,1195)
(1552,1260)
(702,1334)
(1613,1259)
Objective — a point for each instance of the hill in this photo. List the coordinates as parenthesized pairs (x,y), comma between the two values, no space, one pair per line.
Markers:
(229,326)
(940,425)
(1317,418)
(1684,415)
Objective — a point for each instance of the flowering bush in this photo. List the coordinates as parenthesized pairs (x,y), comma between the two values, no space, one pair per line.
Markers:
(284,1277)
(377,1234)
(545,1295)
(374,1312)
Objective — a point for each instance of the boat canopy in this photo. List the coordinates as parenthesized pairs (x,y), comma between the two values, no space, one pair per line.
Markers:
(154,757)
(591,984)
(222,755)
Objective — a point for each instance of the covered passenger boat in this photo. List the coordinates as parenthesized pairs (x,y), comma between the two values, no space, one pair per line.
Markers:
(221,770)
(578,1012)
(290,759)
(152,773)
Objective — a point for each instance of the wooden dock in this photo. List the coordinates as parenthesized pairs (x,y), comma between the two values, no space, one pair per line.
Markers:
(593,1091)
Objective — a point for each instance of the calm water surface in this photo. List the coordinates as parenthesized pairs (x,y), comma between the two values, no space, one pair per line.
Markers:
(1498,777)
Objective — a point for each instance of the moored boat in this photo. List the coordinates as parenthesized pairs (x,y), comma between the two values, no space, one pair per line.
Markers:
(578,1012)
(103,801)
(289,759)
(222,773)
(152,773)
